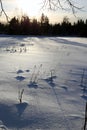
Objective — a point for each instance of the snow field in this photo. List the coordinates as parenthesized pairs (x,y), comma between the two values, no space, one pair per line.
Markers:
(49,69)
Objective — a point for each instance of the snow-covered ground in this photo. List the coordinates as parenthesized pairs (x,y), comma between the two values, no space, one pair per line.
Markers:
(50,71)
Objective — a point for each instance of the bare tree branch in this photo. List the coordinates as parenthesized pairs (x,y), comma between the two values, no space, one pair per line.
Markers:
(73,7)
(51,4)
(3,11)
(55,4)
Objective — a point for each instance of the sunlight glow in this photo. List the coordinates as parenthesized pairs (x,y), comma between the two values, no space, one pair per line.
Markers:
(29,7)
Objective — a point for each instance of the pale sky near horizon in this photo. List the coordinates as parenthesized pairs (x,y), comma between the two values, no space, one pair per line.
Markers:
(32,8)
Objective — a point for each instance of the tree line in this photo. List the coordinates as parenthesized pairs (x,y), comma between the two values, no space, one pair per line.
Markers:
(27,26)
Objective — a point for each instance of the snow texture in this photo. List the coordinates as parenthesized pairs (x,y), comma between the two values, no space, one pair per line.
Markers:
(52,71)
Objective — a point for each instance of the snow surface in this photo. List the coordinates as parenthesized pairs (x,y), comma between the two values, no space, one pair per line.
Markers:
(50,71)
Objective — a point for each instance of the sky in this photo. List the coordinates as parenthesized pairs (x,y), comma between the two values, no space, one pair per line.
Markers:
(34,9)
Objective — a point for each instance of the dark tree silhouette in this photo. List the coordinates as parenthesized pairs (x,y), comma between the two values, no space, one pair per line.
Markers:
(26,26)
(35,27)
(14,26)
(44,24)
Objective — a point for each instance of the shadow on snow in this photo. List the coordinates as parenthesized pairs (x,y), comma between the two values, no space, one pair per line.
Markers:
(50,81)
(14,117)
(33,85)
(20,108)
(20,78)
(68,42)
